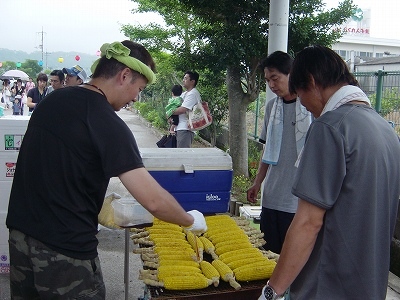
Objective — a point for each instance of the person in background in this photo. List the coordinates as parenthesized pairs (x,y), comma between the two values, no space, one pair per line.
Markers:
(17,105)
(74,144)
(56,81)
(36,95)
(173,103)
(29,85)
(6,94)
(75,76)
(191,97)
(19,89)
(285,126)
(347,181)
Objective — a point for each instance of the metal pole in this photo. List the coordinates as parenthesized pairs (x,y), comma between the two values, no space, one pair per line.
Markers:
(126,263)
(278,30)
(379,89)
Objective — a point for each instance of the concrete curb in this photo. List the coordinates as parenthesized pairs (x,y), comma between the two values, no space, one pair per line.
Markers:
(394,283)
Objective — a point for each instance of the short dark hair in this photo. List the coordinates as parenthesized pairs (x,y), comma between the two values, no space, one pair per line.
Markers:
(58,73)
(176,90)
(19,80)
(42,77)
(108,68)
(193,76)
(278,60)
(323,64)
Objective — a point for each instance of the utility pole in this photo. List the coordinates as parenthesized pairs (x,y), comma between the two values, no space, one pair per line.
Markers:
(46,54)
(41,45)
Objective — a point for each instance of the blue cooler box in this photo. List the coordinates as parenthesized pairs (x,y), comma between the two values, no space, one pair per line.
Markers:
(199,178)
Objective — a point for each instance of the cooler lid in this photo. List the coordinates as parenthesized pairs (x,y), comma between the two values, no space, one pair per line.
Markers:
(185,159)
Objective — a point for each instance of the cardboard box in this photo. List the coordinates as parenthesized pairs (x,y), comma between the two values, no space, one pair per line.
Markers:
(8,163)
(199,178)
(5,189)
(12,130)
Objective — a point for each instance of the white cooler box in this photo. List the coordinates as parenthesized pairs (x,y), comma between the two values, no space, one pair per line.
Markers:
(12,130)
(5,189)
(251,212)
(199,178)
(8,162)
(4,253)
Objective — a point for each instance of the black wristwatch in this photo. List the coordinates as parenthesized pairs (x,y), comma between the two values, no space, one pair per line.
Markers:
(270,294)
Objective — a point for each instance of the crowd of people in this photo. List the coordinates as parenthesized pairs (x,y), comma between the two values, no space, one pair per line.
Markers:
(15,95)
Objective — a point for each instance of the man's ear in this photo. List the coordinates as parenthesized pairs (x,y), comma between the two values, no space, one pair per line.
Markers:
(81,80)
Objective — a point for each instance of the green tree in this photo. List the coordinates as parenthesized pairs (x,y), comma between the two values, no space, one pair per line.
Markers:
(230,37)
(31,67)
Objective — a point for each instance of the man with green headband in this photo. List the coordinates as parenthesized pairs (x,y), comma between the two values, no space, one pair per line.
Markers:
(73,145)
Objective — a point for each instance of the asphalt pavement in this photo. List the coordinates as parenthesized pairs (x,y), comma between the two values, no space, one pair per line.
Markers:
(112,242)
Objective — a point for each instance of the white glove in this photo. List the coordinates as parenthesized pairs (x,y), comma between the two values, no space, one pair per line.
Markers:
(199,225)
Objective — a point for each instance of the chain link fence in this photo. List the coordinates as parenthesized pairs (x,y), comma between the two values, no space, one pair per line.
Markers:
(382,88)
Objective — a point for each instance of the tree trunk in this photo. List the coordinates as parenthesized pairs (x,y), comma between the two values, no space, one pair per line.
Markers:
(237,122)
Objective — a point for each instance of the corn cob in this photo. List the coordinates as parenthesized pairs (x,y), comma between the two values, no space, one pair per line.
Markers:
(170,263)
(181,282)
(231,247)
(228,235)
(254,272)
(166,250)
(210,272)
(176,256)
(248,261)
(196,244)
(229,259)
(208,246)
(143,250)
(232,242)
(226,273)
(173,269)
(234,253)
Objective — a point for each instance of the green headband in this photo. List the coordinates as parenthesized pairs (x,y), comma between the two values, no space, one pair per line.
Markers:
(121,53)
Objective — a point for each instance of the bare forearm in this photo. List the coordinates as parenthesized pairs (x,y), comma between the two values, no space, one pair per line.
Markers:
(180,110)
(154,198)
(299,243)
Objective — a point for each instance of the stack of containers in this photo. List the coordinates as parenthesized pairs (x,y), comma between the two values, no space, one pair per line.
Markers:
(12,130)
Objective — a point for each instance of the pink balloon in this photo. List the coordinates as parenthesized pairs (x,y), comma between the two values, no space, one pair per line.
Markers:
(77,57)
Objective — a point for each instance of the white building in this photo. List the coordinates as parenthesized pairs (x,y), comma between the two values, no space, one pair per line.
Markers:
(357,46)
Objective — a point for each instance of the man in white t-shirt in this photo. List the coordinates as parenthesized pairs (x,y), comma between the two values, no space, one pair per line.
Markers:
(191,97)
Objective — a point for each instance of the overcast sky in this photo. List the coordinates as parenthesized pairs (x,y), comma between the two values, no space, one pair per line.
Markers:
(84,25)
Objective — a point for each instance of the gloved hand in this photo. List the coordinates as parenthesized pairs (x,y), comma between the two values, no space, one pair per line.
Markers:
(199,225)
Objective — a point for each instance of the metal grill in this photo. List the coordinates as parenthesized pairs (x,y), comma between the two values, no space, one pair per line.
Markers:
(249,290)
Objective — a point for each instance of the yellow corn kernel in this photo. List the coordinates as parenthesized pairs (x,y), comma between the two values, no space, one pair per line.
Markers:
(247,261)
(176,256)
(237,252)
(162,276)
(231,247)
(226,273)
(254,272)
(225,236)
(229,259)
(173,269)
(241,240)
(210,272)
(196,244)
(182,282)
(208,246)
(179,263)
(167,250)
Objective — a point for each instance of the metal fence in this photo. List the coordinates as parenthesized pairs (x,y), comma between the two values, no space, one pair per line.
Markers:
(382,88)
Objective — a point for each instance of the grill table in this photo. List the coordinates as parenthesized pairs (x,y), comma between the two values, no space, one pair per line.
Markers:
(249,290)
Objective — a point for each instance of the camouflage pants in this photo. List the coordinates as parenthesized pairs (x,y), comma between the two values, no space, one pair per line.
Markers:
(37,272)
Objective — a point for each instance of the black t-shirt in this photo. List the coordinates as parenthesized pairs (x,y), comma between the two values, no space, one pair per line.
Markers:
(74,144)
(36,96)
